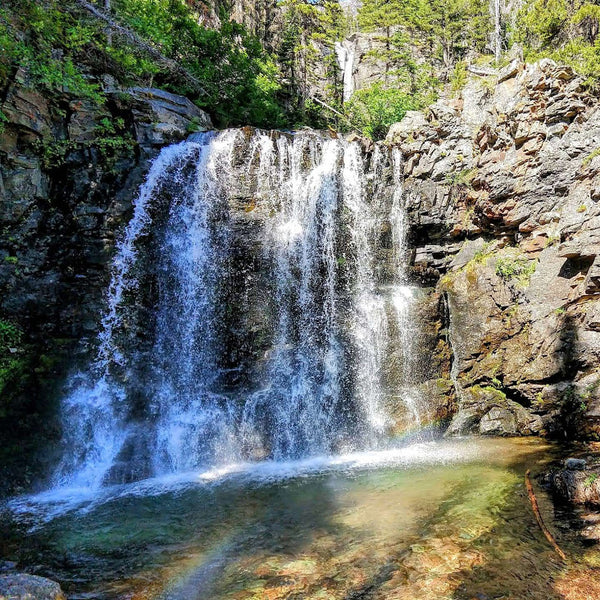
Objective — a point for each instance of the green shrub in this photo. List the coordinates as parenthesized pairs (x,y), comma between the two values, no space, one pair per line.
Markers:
(60,46)
(563,31)
(12,363)
(463,177)
(590,157)
(459,76)
(44,40)
(372,110)
(519,269)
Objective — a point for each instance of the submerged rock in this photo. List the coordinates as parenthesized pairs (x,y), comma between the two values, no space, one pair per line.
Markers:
(22,586)
(575,464)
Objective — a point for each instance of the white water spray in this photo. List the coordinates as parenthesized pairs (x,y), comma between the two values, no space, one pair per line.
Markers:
(153,403)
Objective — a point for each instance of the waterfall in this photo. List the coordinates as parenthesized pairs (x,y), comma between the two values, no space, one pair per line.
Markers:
(497,33)
(344,52)
(160,396)
(403,296)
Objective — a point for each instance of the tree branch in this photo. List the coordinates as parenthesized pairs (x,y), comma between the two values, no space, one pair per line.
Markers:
(538,517)
(137,41)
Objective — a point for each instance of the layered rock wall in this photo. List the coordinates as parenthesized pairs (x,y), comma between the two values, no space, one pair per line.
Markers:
(502,187)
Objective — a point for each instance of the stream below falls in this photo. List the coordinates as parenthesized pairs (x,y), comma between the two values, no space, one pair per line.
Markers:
(442,519)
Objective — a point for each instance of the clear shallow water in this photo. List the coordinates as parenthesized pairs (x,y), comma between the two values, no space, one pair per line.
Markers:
(445,519)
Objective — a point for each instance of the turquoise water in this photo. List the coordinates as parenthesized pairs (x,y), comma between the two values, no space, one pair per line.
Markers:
(436,520)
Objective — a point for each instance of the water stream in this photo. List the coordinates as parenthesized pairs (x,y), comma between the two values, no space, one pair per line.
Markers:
(428,521)
(345,52)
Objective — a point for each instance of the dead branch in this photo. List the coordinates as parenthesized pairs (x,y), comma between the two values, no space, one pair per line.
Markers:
(538,516)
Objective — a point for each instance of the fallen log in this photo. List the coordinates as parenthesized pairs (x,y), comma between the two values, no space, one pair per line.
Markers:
(538,517)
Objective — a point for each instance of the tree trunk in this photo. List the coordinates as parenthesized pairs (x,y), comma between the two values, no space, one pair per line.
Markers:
(109,30)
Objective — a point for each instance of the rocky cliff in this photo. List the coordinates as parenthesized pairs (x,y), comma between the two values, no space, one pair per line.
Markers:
(503,189)
(69,171)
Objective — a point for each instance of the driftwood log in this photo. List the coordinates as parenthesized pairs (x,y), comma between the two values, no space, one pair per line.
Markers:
(538,516)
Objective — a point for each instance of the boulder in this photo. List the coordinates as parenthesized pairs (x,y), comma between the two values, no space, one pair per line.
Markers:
(575,464)
(413,122)
(487,411)
(164,117)
(21,586)
(577,486)
(511,70)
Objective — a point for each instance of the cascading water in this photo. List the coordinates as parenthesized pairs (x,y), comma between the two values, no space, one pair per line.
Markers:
(403,297)
(301,402)
(157,399)
(345,52)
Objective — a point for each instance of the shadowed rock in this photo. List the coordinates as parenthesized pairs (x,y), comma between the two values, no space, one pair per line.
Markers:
(29,587)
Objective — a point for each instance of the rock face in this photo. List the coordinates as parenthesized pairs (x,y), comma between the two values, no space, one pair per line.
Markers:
(577,486)
(65,195)
(502,192)
(69,170)
(29,587)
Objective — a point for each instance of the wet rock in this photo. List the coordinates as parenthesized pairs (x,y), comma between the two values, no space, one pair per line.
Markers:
(511,179)
(27,108)
(488,411)
(29,587)
(590,526)
(7,566)
(164,117)
(575,464)
(580,486)
(498,421)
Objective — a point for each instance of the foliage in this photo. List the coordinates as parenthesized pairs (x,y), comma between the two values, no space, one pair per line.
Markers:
(442,30)
(48,49)
(564,31)
(590,157)
(372,110)
(111,141)
(463,177)
(305,51)
(539,22)
(239,79)
(60,47)
(459,76)
(421,43)
(519,269)
(3,121)
(11,361)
